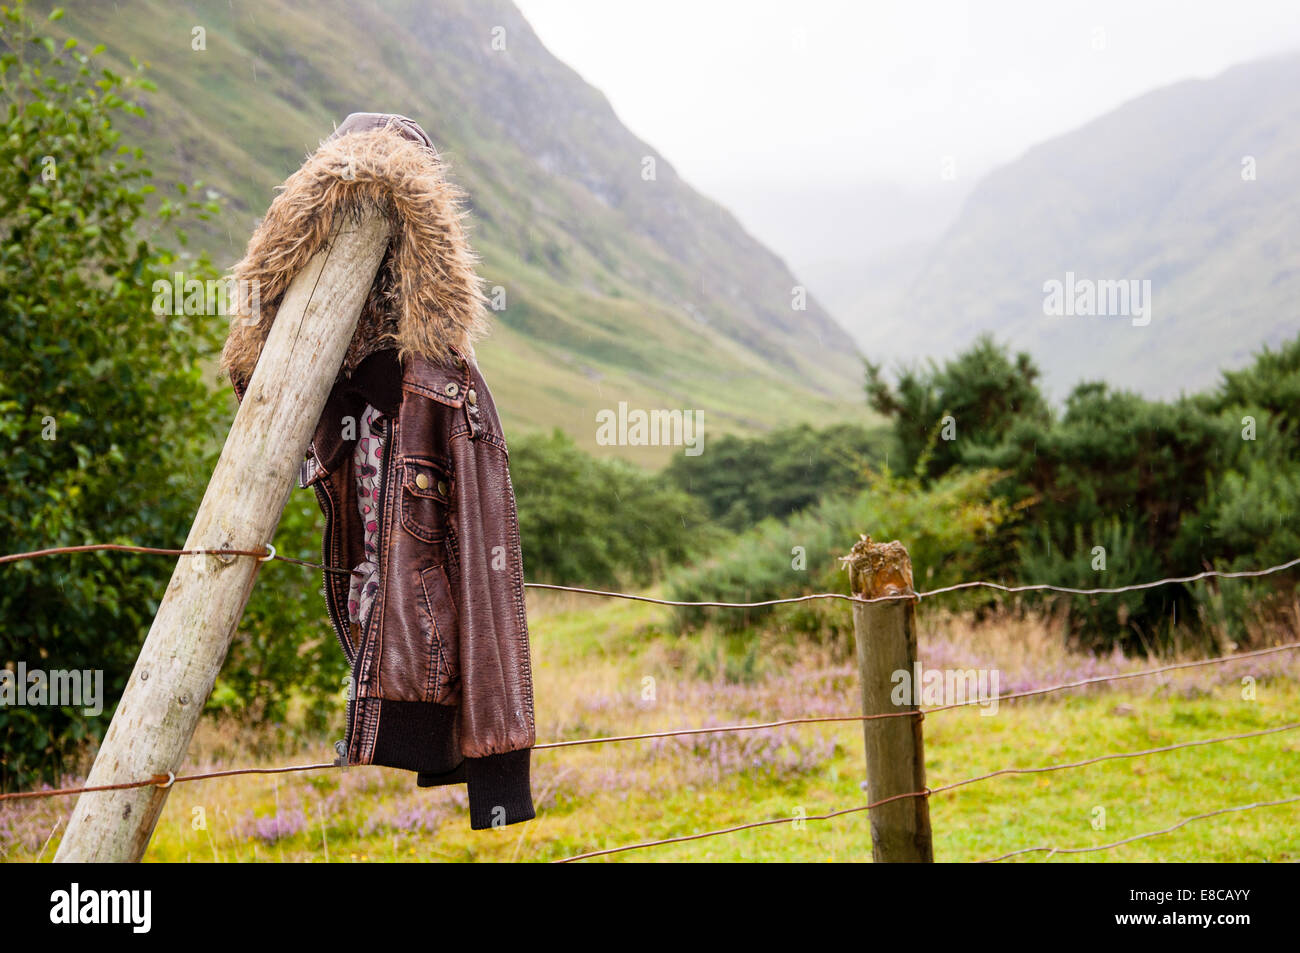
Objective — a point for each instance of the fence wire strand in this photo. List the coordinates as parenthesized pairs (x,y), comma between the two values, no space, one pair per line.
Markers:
(893,597)
(739,827)
(679,732)
(1136,837)
(166,780)
(922,712)
(261,554)
(928,791)
(1142,673)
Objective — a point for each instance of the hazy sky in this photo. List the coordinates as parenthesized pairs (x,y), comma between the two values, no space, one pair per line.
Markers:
(742,96)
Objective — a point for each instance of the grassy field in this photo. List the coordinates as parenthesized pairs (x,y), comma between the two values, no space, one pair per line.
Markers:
(593,660)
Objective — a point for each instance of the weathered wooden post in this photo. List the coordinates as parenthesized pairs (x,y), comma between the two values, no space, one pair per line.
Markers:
(885,633)
(196,620)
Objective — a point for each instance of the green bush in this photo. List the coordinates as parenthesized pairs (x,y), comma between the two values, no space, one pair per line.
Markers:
(743,480)
(983,390)
(1256,514)
(106,421)
(1168,489)
(1106,554)
(584,520)
(286,644)
(948,528)
(1129,475)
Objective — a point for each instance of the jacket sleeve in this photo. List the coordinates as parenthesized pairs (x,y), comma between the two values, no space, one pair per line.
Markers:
(496,703)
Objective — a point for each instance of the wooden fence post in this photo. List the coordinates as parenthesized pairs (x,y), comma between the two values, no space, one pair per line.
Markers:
(885,633)
(198,615)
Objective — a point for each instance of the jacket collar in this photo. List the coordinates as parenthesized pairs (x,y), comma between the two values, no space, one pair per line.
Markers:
(426,300)
(377,381)
(382,381)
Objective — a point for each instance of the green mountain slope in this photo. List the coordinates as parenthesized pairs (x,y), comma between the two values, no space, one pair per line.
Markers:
(1152,191)
(616,288)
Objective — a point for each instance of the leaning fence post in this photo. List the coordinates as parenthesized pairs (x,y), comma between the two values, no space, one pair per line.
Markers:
(187,643)
(885,633)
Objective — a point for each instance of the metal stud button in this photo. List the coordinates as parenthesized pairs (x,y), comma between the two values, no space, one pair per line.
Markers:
(442,487)
(451,388)
(422,481)
(472,397)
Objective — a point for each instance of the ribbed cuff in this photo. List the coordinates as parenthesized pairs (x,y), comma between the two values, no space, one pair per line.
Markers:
(499,789)
(414,736)
(427,779)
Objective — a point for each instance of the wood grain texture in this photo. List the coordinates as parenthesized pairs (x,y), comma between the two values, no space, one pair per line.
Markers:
(187,643)
(885,633)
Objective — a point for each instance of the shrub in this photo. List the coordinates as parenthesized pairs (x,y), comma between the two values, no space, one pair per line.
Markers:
(601,522)
(107,423)
(948,528)
(743,480)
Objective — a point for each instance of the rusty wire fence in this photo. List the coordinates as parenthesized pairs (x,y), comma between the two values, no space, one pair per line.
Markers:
(269,554)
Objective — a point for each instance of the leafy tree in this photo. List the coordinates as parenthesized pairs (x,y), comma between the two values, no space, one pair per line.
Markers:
(107,424)
(983,390)
(948,527)
(743,480)
(1270,384)
(1130,475)
(586,520)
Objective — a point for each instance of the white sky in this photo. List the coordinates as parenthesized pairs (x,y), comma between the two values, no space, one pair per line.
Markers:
(745,96)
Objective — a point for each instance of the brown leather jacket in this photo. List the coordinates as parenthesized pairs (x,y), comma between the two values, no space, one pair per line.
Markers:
(441,674)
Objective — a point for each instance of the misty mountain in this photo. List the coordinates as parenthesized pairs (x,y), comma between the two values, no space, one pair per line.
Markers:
(1194,188)
(618,281)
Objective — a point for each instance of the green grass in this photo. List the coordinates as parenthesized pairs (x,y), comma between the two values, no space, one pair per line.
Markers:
(591,662)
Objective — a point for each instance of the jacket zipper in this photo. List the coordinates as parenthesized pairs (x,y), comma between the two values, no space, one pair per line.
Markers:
(386,428)
(327,505)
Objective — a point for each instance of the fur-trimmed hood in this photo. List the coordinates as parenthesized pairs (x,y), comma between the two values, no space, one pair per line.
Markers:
(425,300)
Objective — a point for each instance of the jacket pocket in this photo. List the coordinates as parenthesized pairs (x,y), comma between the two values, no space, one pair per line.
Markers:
(441,630)
(426,494)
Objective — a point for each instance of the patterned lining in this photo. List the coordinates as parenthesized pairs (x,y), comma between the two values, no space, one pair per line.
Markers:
(368,459)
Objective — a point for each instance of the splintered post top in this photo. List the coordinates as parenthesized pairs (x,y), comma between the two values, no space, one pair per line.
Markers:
(879,569)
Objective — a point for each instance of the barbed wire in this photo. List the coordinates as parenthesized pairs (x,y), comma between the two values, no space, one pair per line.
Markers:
(1128,840)
(894,597)
(678,732)
(265,555)
(268,554)
(929,792)
(271,554)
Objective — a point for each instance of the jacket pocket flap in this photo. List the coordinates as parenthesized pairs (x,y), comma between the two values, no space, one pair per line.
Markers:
(446,384)
(426,479)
